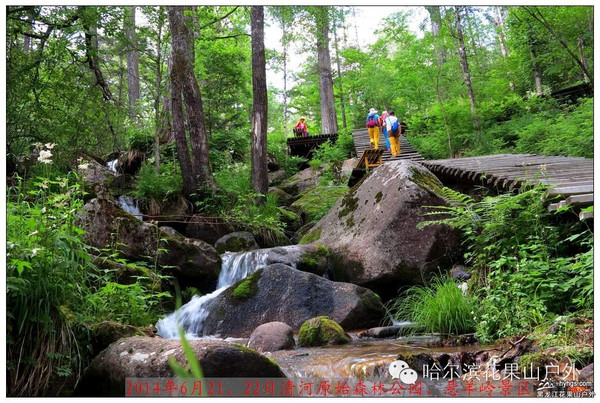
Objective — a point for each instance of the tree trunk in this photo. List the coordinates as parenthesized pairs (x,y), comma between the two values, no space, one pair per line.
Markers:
(340,86)
(499,23)
(462,54)
(260,181)
(328,114)
(133,70)
(436,24)
(537,75)
(581,53)
(157,96)
(285,44)
(195,168)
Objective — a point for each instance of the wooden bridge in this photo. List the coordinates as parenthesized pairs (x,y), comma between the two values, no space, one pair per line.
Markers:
(570,178)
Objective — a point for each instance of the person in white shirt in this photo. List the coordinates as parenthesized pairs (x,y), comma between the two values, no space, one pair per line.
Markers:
(392,122)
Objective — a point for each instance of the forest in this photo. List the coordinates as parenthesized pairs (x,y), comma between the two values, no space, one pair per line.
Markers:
(194,105)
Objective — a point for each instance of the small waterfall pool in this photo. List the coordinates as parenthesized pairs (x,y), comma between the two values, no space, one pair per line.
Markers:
(191,316)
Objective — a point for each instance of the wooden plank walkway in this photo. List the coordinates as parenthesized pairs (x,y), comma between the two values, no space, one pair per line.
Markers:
(362,143)
(571,178)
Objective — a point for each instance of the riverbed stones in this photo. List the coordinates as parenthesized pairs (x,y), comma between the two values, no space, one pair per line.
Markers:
(240,241)
(321,331)
(281,293)
(192,261)
(148,357)
(372,230)
(272,336)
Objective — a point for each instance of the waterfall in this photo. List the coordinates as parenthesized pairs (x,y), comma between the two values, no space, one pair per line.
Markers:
(130,205)
(112,165)
(191,316)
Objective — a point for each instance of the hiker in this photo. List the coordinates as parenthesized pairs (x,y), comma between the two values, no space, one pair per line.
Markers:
(384,115)
(393,125)
(373,127)
(300,128)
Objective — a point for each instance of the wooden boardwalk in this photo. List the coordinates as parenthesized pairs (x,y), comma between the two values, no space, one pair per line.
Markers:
(571,179)
(362,143)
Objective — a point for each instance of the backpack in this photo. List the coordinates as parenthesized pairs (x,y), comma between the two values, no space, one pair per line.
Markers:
(371,120)
(394,129)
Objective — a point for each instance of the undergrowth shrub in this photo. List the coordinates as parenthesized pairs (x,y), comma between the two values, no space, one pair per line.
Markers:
(151,185)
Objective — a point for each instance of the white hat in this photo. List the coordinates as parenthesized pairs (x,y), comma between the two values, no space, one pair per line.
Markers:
(373,110)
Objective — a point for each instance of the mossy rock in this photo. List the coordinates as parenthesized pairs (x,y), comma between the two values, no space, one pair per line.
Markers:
(236,242)
(315,262)
(290,218)
(321,331)
(315,203)
(312,236)
(247,287)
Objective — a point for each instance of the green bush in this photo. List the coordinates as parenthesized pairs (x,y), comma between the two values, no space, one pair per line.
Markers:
(151,185)
(440,307)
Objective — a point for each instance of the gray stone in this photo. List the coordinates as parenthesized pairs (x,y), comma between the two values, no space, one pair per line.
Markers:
(372,230)
(236,242)
(587,373)
(460,272)
(272,336)
(276,177)
(148,357)
(281,293)
(306,179)
(283,199)
(193,261)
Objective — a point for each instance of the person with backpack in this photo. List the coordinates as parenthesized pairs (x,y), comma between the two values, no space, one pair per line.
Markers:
(382,119)
(300,128)
(394,129)
(372,124)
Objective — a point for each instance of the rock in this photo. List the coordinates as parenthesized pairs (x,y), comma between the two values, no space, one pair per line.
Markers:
(348,166)
(194,262)
(382,332)
(460,272)
(272,163)
(199,228)
(281,293)
(298,235)
(291,220)
(587,373)
(272,336)
(276,177)
(321,331)
(372,230)
(283,199)
(148,357)
(105,333)
(315,203)
(306,179)
(94,175)
(236,242)
(309,258)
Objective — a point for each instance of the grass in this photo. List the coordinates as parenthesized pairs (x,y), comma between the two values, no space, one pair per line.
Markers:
(438,308)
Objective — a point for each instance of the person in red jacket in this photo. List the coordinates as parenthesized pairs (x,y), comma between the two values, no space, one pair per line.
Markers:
(300,128)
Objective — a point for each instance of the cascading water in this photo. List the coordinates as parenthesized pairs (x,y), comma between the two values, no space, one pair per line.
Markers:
(130,205)
(191,316)
(112,165)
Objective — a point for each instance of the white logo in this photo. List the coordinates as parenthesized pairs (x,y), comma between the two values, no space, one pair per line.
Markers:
(400,369)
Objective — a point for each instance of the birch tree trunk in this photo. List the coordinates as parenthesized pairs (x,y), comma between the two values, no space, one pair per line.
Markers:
(260,182)
(436,24)
(499,23)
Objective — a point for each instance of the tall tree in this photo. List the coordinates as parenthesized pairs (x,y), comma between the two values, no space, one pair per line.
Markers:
(260,182)
(464,63)
(328,113)
(133,69)
(499,19)
(338,64)
(193,154)
(435,15)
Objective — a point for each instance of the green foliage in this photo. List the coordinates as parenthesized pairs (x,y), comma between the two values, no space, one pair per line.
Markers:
(151,185)
(54,290)
(528,268)
(439,307)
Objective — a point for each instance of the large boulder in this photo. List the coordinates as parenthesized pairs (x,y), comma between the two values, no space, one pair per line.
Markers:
(283,199)
(105,333)
(146,357)
(276,177)
(236,242)
(281,293)
(306,179)
(96,177)
(272,336)
(372,231)
(193,261)
(314,203)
